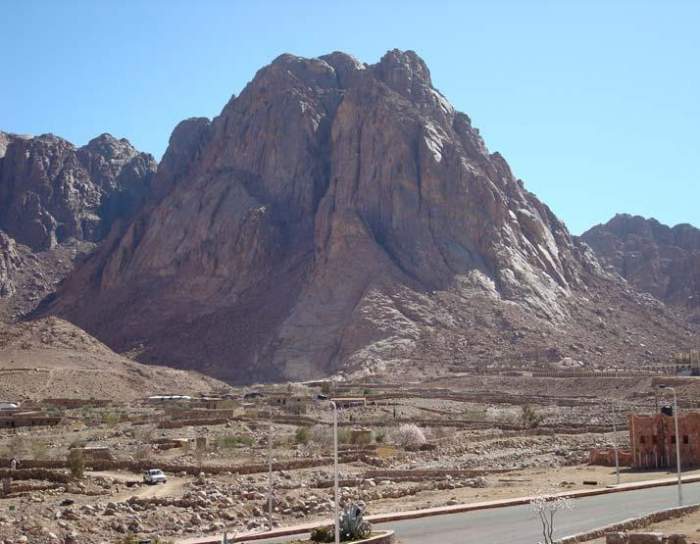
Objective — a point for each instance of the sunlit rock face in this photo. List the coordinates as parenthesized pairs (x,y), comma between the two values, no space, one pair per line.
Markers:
(336,217)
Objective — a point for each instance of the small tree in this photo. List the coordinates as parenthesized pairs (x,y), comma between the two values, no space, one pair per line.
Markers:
(546,505)
(301,436)
(76,463)
(409,435)
(529,417)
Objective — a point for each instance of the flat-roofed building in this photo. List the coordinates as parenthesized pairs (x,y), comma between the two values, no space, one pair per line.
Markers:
(653,439)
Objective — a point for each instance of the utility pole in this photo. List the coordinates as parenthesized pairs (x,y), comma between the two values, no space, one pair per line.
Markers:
(678,443)
(336,494)
(269,471)
(617,459)
(335,472)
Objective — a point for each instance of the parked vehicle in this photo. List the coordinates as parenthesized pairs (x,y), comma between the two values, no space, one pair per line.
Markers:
(154,476)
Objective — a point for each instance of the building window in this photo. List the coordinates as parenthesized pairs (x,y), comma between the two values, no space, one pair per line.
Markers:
(685,439)
(653,439)
(642,440)
(673,439)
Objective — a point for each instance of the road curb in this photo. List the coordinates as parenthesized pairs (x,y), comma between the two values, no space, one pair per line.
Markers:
(631,523)
(443,510)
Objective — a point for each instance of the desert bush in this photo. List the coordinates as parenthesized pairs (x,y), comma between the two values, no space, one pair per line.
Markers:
(475,414)
(39,449)
(529,418)
(76,463)
(344,436)
(379,437)
(361,439)
(323,534)
(409,435)
(110,419)
(234,441)
(302,435)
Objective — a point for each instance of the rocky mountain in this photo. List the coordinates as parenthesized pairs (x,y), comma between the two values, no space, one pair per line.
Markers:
(655,258)
(343,217)
(56,202)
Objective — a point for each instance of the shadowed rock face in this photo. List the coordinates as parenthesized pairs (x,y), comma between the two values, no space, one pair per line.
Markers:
(9,262)
(653,257)
(51,191)
(56,202)
(335,215)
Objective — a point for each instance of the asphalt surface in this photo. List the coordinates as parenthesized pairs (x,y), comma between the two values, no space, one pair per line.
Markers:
(519,524)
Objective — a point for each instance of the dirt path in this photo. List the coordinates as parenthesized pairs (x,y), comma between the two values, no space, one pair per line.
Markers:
(173,487)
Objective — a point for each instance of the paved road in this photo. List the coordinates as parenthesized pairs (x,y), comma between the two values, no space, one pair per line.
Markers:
(518,524)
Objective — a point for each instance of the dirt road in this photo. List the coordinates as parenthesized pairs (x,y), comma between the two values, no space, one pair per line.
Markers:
(172,488)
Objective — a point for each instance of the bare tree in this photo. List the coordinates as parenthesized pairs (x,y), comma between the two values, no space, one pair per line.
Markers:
(409,435)
(546,505)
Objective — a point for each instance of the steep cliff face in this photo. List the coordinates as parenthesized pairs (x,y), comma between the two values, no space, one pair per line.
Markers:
(51,191)
(655,258)
(336,215)
(56,202)
(9,262)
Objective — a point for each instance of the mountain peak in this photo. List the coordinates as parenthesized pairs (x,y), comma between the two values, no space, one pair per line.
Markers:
(345,199)
(403,69)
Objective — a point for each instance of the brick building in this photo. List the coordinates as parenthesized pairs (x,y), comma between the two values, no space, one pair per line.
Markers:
(653,440)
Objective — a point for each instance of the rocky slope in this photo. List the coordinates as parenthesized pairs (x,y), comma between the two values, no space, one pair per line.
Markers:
(655,258)
(339,216)
(50,358)
(56,202)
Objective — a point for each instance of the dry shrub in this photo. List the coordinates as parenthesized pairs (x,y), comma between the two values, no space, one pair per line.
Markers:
(409,435)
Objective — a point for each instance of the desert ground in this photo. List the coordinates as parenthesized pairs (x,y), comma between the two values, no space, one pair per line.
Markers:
(402,447)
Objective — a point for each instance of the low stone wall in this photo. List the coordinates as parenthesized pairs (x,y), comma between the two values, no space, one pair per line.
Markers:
(606,457)
(35,474)
(418,475)
(139,466)
(633,523)
(76,403)
(192,422)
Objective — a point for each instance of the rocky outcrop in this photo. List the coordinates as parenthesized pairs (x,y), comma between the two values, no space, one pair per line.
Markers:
(56,202)
(343,216)
(9,262)
(51,191)
(655,258)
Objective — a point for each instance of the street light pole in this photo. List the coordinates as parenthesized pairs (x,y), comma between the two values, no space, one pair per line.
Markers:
(617,459)
(269,473)
(678,443)
(678,447)
(336,497)
(335,471)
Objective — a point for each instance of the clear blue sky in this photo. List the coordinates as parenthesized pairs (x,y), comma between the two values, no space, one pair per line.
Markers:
(595,104)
